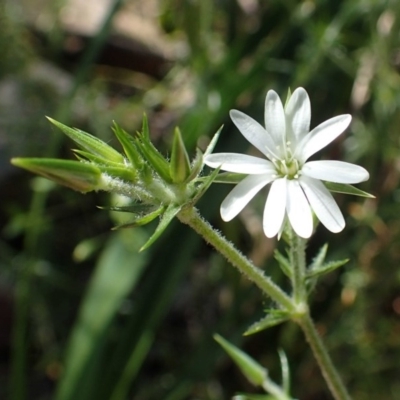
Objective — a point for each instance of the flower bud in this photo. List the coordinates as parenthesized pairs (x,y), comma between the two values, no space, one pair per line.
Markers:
(73,174)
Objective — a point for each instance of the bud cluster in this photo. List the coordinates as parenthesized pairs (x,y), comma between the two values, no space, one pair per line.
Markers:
(158,187)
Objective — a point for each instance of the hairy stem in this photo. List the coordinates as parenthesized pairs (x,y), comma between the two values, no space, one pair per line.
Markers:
(318,348)
(191,217)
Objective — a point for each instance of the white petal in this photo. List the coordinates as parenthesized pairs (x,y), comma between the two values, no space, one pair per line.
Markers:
(322,135)
(274,212)
(239,163)
(254,133)
(275,122)
(298,210)
(241,194)
(323,204)
(298,115)
(335,171)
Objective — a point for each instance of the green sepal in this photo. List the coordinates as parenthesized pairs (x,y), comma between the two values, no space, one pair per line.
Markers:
(274,317)
(289,95)
(153,157)
(229,177)
(213,142)
(347,189)
(326,268)
(85,156)
(196,166)
(90,143)
(141,220)
(83,177)
(204,186)
(165,220)
(128,145)
(125,173)
(179,165)
(250,368)
(284,263)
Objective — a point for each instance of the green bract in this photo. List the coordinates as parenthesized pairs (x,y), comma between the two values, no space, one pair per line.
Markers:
(158,187)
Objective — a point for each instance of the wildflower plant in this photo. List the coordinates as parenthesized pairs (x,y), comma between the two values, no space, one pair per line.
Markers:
(167,188)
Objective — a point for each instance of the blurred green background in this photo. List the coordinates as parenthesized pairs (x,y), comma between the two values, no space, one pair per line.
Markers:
(77,300)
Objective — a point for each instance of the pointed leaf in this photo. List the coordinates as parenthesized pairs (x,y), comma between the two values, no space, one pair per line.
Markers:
(154,158)
(90,143)
(166,218)
(179,166)
(229,177)
(347,189)
(76,175)
(319,259)
(250,368)
(196,166)
(213,142)
(141,220)
(327,267)
(145,127)
(275,317)
(85,156)
(125,173)
(283,263)
(135,208)
(128,145)
(285,371)
(204,186)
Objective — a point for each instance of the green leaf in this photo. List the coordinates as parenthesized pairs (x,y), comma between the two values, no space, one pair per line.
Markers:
(141,220)
(127,173)
(347,189)
(166,218)
(135,208)
(179,166)
(90,143)
(204,186)
(250,368)
(229,177)
(285,371)
(319,259)
(196,166)
(154,158)
(128,145)
(85,156)
(275,317)
(76,175)
(326,268)
(283,263)
(145,128)
(213,142)
(118,270)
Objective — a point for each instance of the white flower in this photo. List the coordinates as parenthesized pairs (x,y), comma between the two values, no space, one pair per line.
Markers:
(296,187)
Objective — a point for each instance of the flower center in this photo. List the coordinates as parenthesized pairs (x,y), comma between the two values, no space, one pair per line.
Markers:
(289,169)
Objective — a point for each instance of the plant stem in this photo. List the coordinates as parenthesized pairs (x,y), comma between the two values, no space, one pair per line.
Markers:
(298,262)
(191,217)
(328,370)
